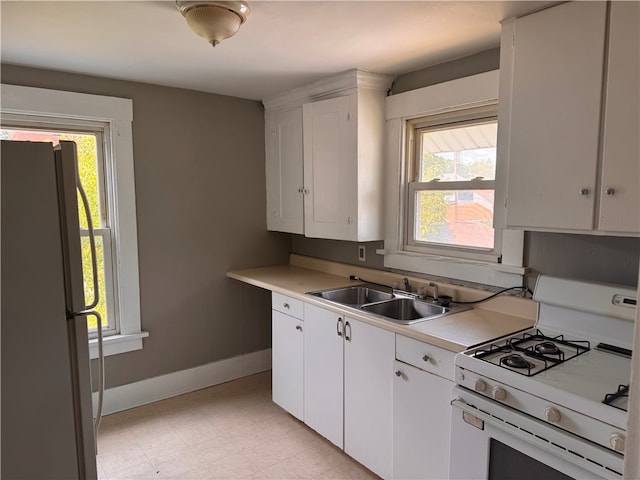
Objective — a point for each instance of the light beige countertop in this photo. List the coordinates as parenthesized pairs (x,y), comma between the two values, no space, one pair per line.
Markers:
(495,318)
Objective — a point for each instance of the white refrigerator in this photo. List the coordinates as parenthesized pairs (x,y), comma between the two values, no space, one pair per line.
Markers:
(47,421)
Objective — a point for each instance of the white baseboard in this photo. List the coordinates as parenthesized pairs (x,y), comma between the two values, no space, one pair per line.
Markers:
(153,389)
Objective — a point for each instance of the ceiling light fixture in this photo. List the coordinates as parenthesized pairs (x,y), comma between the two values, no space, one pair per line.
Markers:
(214,21)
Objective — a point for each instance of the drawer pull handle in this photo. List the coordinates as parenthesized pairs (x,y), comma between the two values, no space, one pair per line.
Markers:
(286,305)
(339,327)
(426,358)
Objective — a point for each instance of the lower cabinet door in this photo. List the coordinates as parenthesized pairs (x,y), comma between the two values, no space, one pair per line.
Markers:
(287,344)
(369,353)
(323,362)
(421,424)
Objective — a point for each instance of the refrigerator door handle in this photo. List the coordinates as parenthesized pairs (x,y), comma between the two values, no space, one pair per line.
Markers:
(98,416)
(92,243)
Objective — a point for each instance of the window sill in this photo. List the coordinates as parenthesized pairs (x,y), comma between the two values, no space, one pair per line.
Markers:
(476,271)
(115,344)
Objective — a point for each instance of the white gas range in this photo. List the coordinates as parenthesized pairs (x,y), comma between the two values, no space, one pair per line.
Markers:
(549,402)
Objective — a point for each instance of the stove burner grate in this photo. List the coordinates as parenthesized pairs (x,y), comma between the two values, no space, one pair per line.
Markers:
(537,346)
(610,398)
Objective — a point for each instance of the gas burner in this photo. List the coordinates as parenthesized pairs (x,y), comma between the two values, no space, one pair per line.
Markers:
(516,361)
(547,348)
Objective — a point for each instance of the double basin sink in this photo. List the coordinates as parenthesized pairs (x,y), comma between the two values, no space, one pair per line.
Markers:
(397,306)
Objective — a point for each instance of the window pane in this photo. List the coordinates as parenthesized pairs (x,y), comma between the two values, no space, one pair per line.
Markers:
(455,217)
(87,164)
(88,170)
(458,153)
(87,272)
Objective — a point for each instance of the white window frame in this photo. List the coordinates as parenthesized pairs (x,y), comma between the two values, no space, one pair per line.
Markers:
(117,115)
(448,120)
(504,266)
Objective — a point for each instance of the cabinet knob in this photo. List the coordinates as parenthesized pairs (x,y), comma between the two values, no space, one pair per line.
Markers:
(426,358)
(610,191)
(584,191)
(286,305)
(398,373)
(299,328)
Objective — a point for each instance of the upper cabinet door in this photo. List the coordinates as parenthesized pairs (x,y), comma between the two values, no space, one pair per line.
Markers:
(284,175)
(620,197)
(556,96)
(330,164)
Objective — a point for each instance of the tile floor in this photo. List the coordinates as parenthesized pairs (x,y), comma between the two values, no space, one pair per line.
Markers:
(229,431)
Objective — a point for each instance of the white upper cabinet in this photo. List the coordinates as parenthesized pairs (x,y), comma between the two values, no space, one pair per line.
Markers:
(620,187)
(551,114)
(283,148)
(331,178)
(324,167)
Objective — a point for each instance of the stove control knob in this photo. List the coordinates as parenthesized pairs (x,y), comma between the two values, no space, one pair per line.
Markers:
(617,442)
(498,393)
(479,385)
(552,414)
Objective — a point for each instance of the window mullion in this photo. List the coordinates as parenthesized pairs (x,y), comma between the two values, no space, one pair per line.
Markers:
(460,185)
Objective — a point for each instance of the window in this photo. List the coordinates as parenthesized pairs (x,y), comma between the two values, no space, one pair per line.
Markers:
(101,128)
(444,182)
(91,170)
(450,194)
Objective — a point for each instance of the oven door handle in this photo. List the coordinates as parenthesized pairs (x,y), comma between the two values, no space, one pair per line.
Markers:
(476,418)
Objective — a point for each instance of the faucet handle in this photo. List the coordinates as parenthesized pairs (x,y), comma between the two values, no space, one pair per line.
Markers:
(422,292)
(435,290)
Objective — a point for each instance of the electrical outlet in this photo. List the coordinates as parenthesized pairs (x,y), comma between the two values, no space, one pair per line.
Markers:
(362,253)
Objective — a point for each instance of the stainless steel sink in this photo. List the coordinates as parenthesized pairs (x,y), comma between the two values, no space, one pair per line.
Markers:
(396,306)
(354,296)
(407,311)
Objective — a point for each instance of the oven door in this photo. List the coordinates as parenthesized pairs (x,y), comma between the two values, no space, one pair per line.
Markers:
(492,442)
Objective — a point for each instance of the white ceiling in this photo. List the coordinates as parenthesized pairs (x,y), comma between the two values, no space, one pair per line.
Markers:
(281,46)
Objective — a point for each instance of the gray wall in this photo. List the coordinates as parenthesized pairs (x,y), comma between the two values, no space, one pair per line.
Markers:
(586,257)
(200,202)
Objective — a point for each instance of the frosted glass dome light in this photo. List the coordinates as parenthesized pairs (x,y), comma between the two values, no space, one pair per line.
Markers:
(214,21)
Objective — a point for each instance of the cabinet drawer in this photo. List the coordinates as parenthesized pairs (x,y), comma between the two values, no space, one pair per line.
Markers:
(425,356)
(288,305)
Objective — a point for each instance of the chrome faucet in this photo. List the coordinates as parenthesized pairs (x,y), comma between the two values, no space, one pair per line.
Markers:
(407,285)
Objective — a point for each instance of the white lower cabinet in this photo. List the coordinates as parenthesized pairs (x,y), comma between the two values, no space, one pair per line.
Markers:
(323,366)
(368,396)
(287,342)
(421,413)
(348,386)
(341,377)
